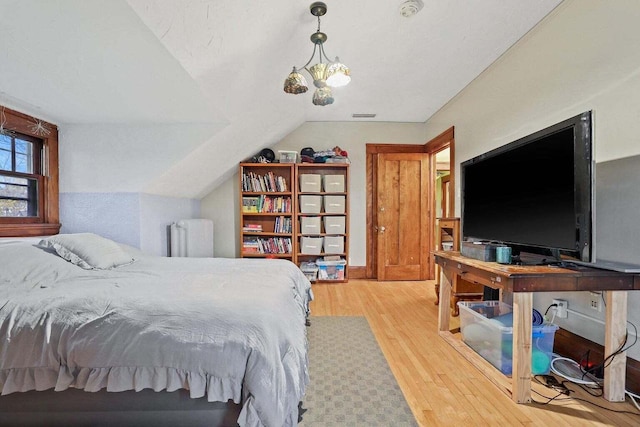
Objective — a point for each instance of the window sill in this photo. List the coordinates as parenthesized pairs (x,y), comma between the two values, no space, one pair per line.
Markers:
(28,230)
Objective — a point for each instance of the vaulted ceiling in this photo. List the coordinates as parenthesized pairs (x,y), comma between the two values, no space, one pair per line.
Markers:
(222,63)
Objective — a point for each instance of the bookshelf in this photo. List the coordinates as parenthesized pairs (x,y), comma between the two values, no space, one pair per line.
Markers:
(303,219)
(328,224)
(267,210)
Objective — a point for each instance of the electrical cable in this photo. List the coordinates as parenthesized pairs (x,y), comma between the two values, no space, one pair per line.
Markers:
(565,376)
(548,308)
(554,312)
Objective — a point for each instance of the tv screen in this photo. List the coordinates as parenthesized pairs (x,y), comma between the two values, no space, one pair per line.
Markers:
(534,193)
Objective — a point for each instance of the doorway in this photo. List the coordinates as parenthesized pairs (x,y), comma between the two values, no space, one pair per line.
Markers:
(402,205)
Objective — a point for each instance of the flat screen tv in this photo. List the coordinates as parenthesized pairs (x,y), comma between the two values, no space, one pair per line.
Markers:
(534,194)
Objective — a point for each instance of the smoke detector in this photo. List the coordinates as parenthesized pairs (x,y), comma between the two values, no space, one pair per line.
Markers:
(408,8)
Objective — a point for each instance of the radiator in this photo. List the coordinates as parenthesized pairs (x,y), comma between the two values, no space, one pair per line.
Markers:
(192,238)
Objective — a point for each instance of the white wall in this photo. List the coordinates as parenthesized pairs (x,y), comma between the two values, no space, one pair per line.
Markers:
(105,171)
(351,137)
(582,57)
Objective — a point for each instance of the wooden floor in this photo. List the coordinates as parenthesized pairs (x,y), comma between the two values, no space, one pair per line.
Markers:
(441,387)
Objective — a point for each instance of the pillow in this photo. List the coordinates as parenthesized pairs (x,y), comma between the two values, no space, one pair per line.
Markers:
(88,250)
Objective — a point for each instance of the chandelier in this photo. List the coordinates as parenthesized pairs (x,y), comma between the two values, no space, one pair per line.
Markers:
(326,74)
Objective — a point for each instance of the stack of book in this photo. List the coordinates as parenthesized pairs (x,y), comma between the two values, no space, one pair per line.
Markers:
(273,245)
(268,182)
(252,228)
(282,225)
(251,246)
(266,204)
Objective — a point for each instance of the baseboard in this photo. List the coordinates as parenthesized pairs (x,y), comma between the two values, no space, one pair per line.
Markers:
(575,347)
(357,272)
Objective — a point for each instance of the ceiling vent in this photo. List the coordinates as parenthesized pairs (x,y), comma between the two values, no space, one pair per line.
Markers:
(409,8)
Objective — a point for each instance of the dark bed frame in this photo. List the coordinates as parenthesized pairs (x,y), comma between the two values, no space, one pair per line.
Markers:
(74,407)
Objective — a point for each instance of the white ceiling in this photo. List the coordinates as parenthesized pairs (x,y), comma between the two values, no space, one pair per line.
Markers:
(224,62)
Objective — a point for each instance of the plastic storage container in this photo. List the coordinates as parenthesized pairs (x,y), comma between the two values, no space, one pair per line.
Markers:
(331,270)
(288,156)
(310,183)
(487,327)
(310,270)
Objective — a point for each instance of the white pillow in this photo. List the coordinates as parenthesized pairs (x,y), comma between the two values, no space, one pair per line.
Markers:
(88,250)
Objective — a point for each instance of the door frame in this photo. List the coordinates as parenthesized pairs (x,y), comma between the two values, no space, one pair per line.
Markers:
(440,142)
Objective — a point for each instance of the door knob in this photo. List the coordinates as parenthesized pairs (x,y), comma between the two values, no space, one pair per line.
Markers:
(382,230)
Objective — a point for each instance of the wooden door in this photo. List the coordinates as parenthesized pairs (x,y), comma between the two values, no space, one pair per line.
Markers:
(402,215)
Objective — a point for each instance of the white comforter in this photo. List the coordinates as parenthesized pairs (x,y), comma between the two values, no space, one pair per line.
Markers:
(224,328)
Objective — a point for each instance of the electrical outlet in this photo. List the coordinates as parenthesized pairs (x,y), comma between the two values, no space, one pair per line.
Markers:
(594,301)
(561,308)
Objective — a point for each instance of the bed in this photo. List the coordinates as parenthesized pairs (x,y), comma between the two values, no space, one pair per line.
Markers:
(217,330)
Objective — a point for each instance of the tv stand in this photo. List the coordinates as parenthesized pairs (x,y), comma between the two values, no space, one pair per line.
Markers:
(520,282)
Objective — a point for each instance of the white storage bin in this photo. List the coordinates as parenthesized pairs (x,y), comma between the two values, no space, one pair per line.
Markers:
(311,245)
(310,204)
(333,183)
(334,224)
(334,204)
(310,225)
(334,244)
(310,183)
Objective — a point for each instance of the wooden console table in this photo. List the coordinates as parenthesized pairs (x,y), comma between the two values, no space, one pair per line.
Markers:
(521,282)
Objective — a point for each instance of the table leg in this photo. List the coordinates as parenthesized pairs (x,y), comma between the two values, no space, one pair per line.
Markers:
(522,330)
(615,332)
(446,278)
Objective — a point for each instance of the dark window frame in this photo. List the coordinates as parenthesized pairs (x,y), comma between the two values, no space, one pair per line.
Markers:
(47,221)
(35,175)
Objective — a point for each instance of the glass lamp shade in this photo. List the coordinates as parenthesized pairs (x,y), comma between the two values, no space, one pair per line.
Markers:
(338,74)
(323,96)
(295,83)
(318,73)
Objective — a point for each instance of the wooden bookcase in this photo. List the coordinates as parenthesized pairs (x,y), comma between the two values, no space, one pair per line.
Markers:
(267,207)
(265,223)
(323,169)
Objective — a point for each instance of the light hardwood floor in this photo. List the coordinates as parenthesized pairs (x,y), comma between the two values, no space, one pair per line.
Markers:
(441,387)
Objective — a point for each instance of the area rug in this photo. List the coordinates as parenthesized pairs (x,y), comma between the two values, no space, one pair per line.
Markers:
(351,382)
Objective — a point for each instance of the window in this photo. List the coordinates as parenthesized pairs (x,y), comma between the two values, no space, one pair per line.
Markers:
(20,176)
(28,175)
